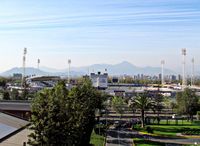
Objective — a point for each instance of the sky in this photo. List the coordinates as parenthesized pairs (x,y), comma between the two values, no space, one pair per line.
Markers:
(142,32)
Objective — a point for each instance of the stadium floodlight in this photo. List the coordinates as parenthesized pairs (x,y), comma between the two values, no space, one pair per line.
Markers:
(69,63)
(184,82)
(38,63)
(163,78)
(24,66)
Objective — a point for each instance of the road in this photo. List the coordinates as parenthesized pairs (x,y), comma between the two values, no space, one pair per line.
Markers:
(120,137)
(124,137)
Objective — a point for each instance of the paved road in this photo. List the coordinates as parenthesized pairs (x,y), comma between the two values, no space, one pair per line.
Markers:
(120,137)
(124,137)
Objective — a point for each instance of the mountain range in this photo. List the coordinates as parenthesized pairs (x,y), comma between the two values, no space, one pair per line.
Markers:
(123,68)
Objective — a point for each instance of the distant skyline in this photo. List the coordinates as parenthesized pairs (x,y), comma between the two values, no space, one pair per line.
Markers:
(142,32)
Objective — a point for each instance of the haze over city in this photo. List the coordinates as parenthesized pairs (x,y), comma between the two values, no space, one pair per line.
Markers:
(142,32)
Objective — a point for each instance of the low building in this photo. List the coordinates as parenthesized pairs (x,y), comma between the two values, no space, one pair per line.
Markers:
(10,126)
(99,80)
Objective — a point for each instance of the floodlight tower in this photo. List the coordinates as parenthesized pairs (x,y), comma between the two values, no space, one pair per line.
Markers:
(38,64)
(184,82)
(192,77)
(69,63)
(24,66)
(163,78)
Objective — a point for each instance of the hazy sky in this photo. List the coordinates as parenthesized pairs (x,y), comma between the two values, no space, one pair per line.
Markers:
(98,31)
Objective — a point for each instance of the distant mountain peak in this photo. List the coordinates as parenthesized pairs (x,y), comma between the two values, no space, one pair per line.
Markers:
(122,68)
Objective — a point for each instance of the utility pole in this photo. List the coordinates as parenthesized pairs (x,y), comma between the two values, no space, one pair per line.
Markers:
(163,78)
(69,63)
(24,67)
(184,82)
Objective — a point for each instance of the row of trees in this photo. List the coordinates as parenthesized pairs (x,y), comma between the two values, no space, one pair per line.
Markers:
(16,95)
(62,117)
(187,103)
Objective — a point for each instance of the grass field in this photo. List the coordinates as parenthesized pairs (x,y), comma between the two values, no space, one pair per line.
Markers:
(143,142)
(180,122)
(97,140)
(164,130)
(172,129)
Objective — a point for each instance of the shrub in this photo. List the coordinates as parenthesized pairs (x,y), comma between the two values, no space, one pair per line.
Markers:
(149,129)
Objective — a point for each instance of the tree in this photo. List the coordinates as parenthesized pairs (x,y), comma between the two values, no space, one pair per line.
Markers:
(14,94)
(187,103)
(3,82)
(86,100)
(142,102)
(6,95)
(118,105)
(158,104)
(173,106)
(62,117)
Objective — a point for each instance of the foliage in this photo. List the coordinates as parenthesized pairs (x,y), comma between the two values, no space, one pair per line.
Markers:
(198,115)
(6,95)
(189,131)
(3,82)
(142,102)
(144,142)
(149,129)
(62,117)
(97,140)
(158,104)
(14,94)
(187,103)
(118,104)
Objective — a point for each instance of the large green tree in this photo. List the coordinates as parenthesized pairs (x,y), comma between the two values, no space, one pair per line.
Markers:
(142,102)
(118,105)
(187,103)
(62,117)
(158,104)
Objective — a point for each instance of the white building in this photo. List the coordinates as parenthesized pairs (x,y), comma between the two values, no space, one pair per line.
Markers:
(99,80)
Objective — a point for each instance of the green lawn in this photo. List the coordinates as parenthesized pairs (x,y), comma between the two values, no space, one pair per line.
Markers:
(180,122)
(172,129)
(142,142)
(97,140)
(166,130)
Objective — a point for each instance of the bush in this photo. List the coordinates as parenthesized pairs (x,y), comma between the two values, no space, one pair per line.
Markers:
(191,131)
(149,129)
(198,115)
(137,127)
